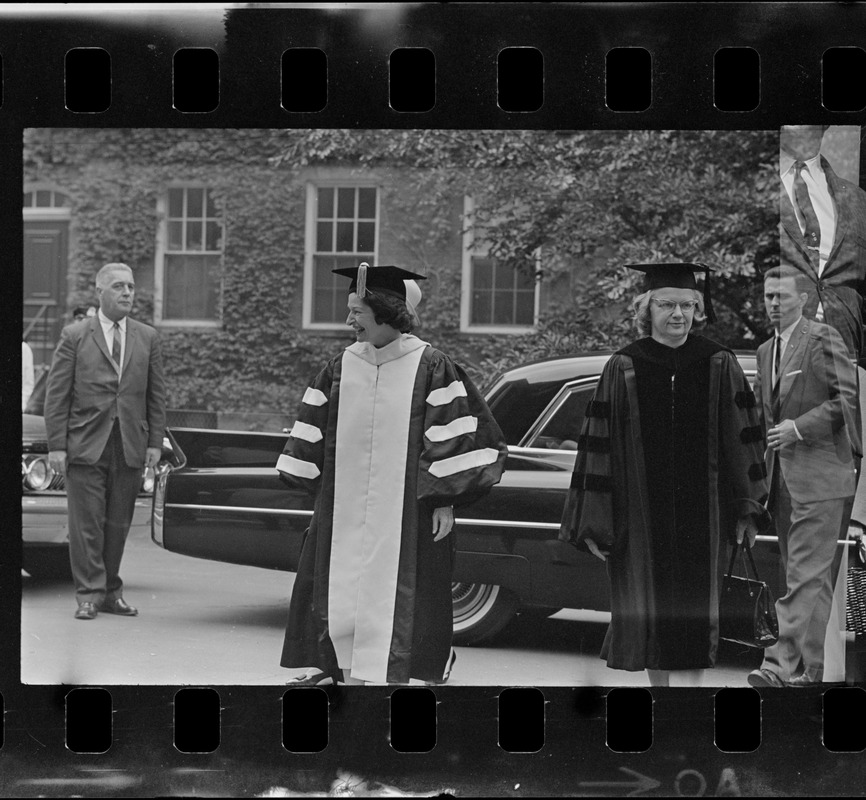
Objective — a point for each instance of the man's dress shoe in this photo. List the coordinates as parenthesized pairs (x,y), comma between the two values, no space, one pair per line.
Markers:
(118,606)
(86,611)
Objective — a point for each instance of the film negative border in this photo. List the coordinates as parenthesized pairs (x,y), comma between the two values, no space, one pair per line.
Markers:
(144,758)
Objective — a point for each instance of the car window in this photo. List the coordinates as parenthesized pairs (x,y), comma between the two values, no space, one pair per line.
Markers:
(517,405)
(562,428)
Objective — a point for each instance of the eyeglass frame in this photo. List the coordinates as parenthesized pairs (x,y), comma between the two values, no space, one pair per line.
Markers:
(669,306)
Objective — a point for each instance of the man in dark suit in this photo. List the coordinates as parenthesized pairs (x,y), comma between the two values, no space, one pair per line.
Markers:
(105,417)
(823,233)
(808,400)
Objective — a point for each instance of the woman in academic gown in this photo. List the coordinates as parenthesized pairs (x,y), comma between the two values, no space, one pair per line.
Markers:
(391,435)
(670,469)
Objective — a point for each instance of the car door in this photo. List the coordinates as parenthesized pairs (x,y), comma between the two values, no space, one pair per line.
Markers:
(518,522)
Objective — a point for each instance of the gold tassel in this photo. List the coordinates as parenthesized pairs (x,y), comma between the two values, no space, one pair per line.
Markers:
(361,282)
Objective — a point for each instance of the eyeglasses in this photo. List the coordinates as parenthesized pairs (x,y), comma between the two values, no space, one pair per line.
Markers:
(668,306)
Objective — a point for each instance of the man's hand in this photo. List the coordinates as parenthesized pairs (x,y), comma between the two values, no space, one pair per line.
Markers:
(443,522)
(151,459)
(593,548)
(57,461)
(782,434)
(746,527)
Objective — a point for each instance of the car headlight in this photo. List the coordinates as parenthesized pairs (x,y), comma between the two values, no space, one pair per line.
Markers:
(36,473)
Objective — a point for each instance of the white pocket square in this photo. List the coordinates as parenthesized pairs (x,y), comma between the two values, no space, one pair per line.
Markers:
(795,372)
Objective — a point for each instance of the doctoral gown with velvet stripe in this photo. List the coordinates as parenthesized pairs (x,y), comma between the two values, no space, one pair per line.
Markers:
(670,456)
(383,437)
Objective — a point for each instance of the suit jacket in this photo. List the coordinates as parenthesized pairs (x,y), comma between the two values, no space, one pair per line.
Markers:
(842,285)
(84,395)
(818,390)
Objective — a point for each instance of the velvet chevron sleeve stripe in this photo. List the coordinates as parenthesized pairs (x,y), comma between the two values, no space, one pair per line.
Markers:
(588,511)
(464,450)
(302,457)
(297,468)
(741,442)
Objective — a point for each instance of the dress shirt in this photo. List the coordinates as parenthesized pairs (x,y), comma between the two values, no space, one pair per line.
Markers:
(819,194)
(785,337)
(108,332)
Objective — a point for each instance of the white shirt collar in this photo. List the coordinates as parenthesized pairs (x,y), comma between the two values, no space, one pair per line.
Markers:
(108,324)
(786,163)
(786,334)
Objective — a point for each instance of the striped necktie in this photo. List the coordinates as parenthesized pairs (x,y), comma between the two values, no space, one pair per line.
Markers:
(115,347)
(812,231)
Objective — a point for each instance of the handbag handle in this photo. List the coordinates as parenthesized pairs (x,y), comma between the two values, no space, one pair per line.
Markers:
(748,551)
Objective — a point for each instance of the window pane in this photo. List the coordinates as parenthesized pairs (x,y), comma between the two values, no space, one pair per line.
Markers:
(175,236)
(482,273)
(366,235)
(214,236)
(562,429)
(322,275)
(194,202)
(503,310)
(327,294)
(345,203)
(211,205)
(345,236)
(324,236)
(43,198)
(481,308)
(192,286)
(175,202)
(60,200)
(326,202)
(504,276)
(193,236)
(525,308)
(28,199)
(366,203)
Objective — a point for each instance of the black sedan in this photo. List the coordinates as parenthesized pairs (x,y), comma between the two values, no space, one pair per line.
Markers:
(224,501)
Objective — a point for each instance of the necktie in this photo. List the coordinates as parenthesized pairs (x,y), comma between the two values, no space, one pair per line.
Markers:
(777,361)
(115,347)
(812,232)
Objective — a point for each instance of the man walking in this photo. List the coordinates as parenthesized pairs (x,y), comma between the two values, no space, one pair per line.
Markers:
(105,418)
(807,392)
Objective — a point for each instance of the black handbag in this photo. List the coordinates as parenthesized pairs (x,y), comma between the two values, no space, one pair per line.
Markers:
(747,611)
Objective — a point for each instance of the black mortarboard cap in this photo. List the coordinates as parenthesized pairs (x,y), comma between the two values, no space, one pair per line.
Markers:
(383,279)
(677,276)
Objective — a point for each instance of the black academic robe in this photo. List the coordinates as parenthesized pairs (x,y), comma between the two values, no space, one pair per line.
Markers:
(384,436)
(670,456)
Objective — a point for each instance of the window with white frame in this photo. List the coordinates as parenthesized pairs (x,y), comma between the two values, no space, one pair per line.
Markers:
(44,197)
(188,285)
(495,298)
(342,231)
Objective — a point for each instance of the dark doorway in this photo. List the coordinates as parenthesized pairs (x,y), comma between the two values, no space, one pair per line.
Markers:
(45,266)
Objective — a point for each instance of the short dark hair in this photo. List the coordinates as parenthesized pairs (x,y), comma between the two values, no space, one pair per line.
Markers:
(802,282)
(388,309)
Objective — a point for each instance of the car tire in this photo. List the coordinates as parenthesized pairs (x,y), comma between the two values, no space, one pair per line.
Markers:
(47,563)
(480,611)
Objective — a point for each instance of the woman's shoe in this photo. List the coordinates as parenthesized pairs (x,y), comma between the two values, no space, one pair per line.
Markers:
(316,678)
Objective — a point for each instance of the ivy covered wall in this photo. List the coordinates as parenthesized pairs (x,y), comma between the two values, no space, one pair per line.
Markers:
(258,359)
